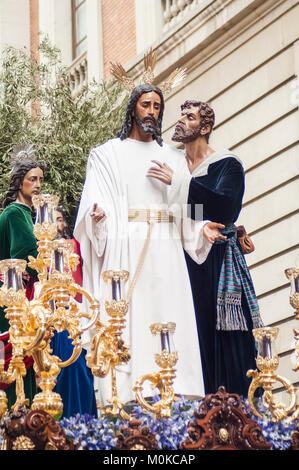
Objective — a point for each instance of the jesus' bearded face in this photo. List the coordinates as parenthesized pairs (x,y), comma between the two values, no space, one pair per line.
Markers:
(147,112)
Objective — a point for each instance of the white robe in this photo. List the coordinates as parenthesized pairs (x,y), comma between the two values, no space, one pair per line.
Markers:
(116,180)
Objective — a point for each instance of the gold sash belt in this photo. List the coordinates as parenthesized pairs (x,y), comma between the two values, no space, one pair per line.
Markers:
(150,216)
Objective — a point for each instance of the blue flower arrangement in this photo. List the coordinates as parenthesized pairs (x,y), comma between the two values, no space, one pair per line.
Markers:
(278,434)
(91,433)
(96,434)
(100,434)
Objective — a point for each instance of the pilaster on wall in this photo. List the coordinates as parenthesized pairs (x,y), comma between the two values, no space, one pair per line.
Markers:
(119,32)
(14,24)
(34,45)
(94,40)
(55,22)
(34,29)
(149,23)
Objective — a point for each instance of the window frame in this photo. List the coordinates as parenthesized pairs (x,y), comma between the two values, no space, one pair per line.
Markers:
(75,44)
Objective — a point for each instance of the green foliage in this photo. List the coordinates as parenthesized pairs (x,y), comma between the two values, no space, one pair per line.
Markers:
(65,128)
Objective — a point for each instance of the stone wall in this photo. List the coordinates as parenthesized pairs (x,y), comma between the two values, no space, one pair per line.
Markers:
(242,57)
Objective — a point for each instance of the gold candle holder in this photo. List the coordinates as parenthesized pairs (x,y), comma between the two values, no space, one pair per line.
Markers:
(166,359)
(12,291)
(108,349)
(57,295)
(53,308)
(13,298)
(45,227)
(60,277)
(267,362)
(45,230)
(3,404)
(293,275)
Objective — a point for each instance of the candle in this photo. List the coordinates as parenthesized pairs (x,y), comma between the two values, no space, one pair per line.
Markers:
(266,347)
(14,280)
(58,260)
(165,343)
(43,214)
(116,289)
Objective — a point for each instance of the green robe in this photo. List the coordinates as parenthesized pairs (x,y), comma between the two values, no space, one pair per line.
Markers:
(17,241)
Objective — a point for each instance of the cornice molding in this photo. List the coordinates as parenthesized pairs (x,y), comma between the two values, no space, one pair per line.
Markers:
(197,33)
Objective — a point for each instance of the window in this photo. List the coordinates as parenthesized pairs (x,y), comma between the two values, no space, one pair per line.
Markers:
(79,27)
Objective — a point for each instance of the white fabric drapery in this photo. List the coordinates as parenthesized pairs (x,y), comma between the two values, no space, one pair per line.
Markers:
(116,180)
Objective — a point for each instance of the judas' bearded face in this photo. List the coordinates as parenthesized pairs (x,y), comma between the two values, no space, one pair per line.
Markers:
(188,127)
(197,120)
(184,134)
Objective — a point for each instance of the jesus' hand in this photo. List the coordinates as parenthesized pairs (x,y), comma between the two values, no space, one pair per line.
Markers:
(162,172)
(97,213)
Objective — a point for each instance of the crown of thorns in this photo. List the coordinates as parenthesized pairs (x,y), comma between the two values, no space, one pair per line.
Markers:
(150,59)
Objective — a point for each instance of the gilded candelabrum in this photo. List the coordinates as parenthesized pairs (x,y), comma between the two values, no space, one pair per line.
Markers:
(293,275)
(267,362)
(45,230)
(53,308)
(166,359)
(108,350)
(12,295)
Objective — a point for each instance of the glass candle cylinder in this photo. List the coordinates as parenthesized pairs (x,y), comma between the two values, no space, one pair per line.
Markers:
(293,275)
(13,279)
(12,292)
(58,260)
(165,341)
(164,333)
(116,278)
(60,268)
(12,270)
(265,349)
(116,289)
(45,226)
(45,204)
(266,341)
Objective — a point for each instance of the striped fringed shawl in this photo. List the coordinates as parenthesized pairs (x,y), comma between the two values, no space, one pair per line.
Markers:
(235,277)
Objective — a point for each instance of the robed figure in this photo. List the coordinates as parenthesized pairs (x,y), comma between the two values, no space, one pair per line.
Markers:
(114,232)
(18,241)
(212,184)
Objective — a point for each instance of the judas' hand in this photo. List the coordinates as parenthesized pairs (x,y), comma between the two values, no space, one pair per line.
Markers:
(97,213)
(162,173)
(211,232)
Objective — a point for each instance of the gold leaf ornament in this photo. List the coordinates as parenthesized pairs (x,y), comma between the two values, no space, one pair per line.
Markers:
(148,76)
(122,76)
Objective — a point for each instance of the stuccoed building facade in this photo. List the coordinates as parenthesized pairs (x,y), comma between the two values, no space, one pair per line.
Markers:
(242,56)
